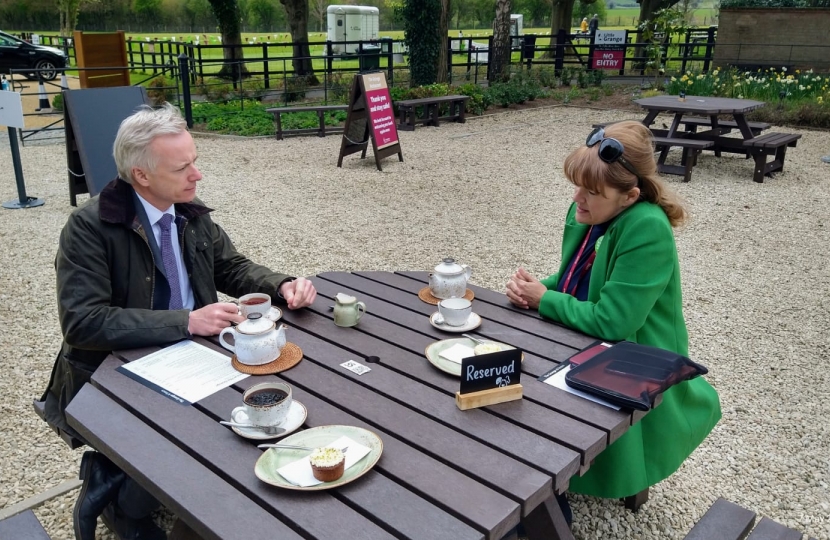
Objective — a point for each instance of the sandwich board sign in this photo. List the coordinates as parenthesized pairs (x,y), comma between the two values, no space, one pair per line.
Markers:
(370,118)
(609,49)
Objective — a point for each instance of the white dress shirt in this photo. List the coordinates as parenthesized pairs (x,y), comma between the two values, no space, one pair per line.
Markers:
(153,216)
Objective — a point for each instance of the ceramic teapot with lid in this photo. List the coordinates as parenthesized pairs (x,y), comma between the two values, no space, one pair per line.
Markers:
(449,279)
(256,341)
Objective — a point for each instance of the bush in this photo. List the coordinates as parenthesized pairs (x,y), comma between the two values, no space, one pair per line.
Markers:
(161,89)
(479,99)
(57,102)
(295,88)
(309,120)
(340,86)
(235,118)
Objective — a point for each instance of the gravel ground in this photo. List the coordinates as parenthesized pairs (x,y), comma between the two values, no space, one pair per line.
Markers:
(491,193)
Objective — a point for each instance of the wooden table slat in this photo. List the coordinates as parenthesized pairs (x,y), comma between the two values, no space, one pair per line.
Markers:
(187,487)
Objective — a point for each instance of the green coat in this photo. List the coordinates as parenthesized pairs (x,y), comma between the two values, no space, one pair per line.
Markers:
(105,285)
(634,294)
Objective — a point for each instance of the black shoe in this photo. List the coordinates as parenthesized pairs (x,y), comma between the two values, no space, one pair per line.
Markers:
(126,528)
(101,482)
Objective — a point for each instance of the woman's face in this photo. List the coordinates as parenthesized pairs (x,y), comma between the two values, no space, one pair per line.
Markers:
(594,207)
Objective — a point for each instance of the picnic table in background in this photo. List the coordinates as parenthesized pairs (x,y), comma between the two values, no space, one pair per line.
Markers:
(705,112)
(444,473)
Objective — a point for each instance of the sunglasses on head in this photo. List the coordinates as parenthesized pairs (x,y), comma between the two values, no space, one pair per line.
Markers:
(611,151)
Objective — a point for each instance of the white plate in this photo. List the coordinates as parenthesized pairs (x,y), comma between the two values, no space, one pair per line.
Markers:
(296,416)
(274,314)
(273,458)
(433,353)
(473,322)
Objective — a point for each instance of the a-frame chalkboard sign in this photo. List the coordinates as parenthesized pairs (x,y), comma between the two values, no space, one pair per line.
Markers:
(370,118)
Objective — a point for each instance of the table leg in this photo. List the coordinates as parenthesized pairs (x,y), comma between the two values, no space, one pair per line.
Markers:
(182,532)
(546,522)
(672,130)
(649,119)
(714,120)
(743,125)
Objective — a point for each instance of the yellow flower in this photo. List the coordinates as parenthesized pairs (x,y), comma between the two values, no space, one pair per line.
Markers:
(673,79)
(690,82)
(820,99)
(798,71)
(683,78)
(699,77)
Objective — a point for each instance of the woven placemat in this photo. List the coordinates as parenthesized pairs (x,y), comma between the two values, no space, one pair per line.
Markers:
(289,357)
(425,295)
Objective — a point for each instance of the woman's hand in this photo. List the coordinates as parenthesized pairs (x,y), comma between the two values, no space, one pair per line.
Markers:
(524,290)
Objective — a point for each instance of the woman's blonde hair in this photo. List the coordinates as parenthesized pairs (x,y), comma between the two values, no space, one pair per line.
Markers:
(583,167)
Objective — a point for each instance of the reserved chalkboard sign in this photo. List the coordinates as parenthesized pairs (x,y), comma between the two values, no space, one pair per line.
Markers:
(490,378)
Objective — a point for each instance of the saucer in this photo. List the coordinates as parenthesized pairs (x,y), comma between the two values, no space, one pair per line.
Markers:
(296,416)
(473,322)
(274,314)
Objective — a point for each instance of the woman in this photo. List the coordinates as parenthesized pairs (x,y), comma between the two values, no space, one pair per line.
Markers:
(620,280)
(583,27)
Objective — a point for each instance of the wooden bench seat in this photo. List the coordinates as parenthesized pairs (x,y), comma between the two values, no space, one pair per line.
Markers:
(691,149)
(321,111)
(770,144)
(407,111)
(22,526)
(694,122)
(728,521)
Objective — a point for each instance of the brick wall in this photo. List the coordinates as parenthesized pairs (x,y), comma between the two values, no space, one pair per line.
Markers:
(774,37)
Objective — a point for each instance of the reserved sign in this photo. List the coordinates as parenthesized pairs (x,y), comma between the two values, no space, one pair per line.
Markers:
(488,371)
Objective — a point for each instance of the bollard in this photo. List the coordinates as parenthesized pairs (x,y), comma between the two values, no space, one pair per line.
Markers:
(64,82)
(43,99)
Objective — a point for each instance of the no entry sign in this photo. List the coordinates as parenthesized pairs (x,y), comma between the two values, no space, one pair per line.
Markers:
(609,49)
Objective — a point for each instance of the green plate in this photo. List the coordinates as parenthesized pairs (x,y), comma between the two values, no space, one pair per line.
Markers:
(274,458)
(433,353)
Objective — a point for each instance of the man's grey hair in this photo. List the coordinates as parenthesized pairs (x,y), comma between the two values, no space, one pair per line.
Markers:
(132,142)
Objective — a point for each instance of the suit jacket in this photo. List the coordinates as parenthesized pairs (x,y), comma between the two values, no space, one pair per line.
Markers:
(108,282)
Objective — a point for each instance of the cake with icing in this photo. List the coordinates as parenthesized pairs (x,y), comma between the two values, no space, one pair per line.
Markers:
(327,464)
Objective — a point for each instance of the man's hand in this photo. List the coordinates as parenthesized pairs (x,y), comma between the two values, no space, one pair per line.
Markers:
(524,290)
(298,293)
(213,318)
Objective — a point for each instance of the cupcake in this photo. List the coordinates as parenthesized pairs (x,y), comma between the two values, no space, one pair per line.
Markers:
(327,464)
(486,348)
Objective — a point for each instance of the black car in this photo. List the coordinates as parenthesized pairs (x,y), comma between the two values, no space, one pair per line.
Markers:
(18,54)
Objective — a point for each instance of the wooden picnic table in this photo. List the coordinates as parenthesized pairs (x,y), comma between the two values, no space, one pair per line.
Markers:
(443,473)
(713,108)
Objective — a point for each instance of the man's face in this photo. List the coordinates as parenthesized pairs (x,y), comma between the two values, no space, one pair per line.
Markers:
(174,178)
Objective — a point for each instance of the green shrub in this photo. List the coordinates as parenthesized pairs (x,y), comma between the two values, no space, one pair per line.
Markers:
(309,120)
(235,118)
(479,99)
(593,93)
(161,89)
(57,102)
(295,89)
(340,85)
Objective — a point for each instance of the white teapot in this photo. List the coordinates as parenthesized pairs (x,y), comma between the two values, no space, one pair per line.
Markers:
(256,341)
(449,279)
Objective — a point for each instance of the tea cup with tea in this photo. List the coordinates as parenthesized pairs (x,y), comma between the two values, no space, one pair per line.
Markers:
(454,311)
(264,404)
(254,303)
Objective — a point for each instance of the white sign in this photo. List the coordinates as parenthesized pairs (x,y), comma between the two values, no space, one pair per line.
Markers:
(609,37)
(11,110)
(35,39)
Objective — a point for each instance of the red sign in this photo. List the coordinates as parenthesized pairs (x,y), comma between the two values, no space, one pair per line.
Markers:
(605,59)
(380,109)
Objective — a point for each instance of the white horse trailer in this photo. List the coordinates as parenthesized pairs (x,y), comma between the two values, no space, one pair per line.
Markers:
(351,23)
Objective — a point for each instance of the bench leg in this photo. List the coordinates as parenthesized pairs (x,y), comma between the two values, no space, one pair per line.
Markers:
(321,115)
(279,126)
(546,522)
(432,112)
(407,121)
(688,161)
(760,166)
(634,502)
(461,112)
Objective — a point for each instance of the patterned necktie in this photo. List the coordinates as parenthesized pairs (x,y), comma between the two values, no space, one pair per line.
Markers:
(169,260)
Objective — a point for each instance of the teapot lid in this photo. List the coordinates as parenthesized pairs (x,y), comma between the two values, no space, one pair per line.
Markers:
(341,298)
(449,267)
(256,324)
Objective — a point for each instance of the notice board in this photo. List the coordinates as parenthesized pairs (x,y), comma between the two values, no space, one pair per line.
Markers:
(370,118)
(608,49)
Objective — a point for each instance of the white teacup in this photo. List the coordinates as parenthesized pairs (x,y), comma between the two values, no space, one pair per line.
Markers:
(454,311)
(265,404)
(254,303)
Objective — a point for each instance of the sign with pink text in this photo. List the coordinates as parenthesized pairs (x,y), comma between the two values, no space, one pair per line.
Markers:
(381,114)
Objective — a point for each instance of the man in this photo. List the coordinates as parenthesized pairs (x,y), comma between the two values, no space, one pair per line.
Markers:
(141,265)
(593,25)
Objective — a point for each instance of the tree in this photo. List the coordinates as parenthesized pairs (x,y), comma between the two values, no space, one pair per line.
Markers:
(583,9)
(297,13)
(68,10)
(319,12)
(229,18)
(147,10)
(649,7)
(499,67)
(443,41)
(263,14)
(421,34)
